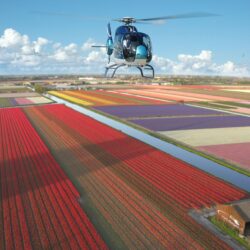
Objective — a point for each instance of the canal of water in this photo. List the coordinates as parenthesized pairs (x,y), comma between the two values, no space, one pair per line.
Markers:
(208,166)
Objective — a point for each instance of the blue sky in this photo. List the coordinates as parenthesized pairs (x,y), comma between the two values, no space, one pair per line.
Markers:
(225,38)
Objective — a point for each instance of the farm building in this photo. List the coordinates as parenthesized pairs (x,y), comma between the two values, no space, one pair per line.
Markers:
(237,215)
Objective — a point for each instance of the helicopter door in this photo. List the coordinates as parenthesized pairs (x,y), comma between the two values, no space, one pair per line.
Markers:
(130,43)
(136,46)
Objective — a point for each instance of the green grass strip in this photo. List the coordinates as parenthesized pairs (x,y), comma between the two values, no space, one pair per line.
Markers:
(233,233)
(5,102)
(213,105)
(236,104)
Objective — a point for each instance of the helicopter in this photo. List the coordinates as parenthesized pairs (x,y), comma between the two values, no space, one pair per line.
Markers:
(131,48)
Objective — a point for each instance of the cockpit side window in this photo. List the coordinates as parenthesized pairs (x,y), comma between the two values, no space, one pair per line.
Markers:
(146,41)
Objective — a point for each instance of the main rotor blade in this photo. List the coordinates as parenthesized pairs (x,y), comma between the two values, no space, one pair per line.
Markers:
(180,16)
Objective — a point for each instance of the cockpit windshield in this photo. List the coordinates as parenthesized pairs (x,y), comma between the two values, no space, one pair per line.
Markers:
(136,39)
(130,43)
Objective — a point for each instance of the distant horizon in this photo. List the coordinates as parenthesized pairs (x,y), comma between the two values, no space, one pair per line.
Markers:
(122,75)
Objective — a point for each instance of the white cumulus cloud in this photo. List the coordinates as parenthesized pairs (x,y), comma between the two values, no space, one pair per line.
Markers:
(12,38)
(201,64)
(20,54)
(38,45)
(87,45)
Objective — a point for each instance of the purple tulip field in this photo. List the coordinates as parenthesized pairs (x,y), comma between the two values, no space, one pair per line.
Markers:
(155,110)
(183,123)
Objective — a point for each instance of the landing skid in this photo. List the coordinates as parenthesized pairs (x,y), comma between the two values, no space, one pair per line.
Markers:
(114,67)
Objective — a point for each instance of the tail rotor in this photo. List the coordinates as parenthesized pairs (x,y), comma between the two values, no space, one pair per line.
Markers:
(109,43)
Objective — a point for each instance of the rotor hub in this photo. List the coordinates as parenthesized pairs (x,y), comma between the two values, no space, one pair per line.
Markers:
(126,20)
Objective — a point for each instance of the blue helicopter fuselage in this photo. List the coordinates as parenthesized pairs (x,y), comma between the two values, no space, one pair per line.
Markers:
(130,46)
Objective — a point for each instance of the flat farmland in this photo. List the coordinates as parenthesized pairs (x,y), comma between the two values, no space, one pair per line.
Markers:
(180,123)
(199,125)
(162,96)
(5,102)
(232,98)
(104,98)
(199,96)
(135,195)
(223,97)
(10,99)
(6,88)
(39,206)
(231,144)
(68,181)
(233,92)
(235,152)
(156,111)
(243,110)
(211,136)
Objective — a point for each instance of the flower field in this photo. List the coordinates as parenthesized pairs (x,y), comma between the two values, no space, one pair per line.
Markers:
(156,110)
(163,96)
(215,134)
(230,144)
(22,101)
(103,98)
(167,110)
(210,136)
(21,98)
(39,206)
(70,182)
(198,96)
(212,131)
(180,123)
(70,98)
(234,152)
(235,92)
(32,100)
(199,92)
(243,110)
(224,97)
(136,196)
(126,98)
(18,94)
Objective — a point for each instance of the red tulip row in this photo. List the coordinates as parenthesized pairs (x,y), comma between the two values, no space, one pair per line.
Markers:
(190,187)
(38,202)
(142,193)
(130,215)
